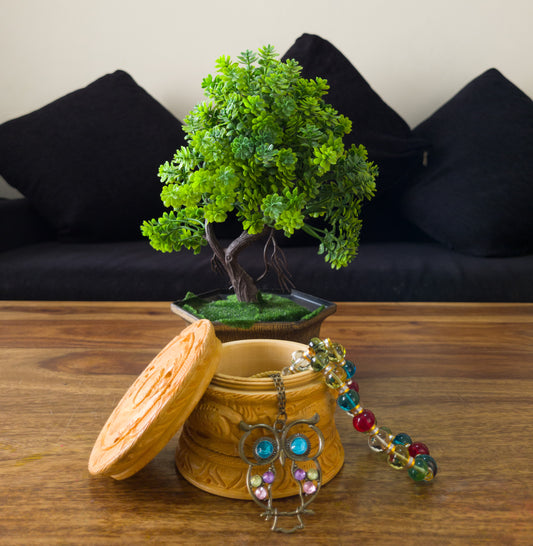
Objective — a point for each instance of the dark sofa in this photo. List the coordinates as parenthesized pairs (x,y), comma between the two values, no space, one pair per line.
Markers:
(452,219)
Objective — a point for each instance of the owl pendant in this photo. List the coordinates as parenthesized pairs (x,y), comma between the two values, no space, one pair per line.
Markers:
(263,448)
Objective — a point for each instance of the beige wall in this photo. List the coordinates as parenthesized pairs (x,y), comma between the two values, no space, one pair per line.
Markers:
(414,53)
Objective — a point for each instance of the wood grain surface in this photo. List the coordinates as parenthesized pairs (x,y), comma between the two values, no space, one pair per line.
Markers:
(456,376)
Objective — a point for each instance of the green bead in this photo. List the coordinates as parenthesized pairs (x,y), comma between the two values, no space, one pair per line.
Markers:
(432,466)
(399,457)
(319,361)
(312,474)
(317,344)
(419,470)
(256,480)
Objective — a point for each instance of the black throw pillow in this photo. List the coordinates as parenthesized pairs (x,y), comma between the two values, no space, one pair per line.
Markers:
(88,162)
(476,195)
(387,137)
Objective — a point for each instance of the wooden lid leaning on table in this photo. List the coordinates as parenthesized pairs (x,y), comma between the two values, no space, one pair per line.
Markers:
(157,404)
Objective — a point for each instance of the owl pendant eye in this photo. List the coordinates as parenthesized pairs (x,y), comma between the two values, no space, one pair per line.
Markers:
(264,450)
(298,445)
(276,445)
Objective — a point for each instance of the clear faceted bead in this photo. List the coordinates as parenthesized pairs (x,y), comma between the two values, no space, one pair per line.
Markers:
(380,441)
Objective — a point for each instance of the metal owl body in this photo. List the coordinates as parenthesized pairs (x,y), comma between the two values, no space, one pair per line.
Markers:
(263,447)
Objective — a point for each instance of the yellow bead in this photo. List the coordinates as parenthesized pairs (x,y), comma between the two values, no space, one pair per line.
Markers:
(256,480)
(336,377)
(399,457)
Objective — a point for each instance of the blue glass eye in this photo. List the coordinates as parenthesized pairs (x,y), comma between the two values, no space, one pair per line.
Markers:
(264,448)
(299,445)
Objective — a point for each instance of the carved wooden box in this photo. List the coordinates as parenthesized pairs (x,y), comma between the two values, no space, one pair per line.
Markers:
(207,388)
(207,454)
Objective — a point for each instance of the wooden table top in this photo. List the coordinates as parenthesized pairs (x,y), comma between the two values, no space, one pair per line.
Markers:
(456,376)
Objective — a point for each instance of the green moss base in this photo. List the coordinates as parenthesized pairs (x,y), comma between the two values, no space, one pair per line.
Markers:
(230,311)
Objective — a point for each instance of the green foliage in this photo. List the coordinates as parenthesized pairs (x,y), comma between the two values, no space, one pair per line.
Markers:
(266,146)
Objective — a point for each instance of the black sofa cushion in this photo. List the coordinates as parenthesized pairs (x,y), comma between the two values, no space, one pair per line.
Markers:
(132,270)
(387,137)
(88,162)
(21,225)
(476,194)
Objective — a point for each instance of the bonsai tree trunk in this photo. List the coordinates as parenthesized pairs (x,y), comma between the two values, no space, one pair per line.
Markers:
(243,284)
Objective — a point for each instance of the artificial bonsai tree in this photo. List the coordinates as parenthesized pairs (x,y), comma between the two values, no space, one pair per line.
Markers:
(267,149)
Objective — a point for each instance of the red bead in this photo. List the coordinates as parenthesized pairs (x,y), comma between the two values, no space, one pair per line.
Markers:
(353,385)
(418,448)
(364,421)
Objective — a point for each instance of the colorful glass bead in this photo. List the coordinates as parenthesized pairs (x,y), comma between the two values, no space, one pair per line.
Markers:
(364,421)
(319,361)
(261,493)
(264,448)
(336,351)
(380,441)
(317,344)
(348,400)
(312,474)
(256,480)
(300,361)
(269,476)
(300,474)
(399,457)
(418,448)
(432,465)
(309,488)
(296,355)
(336,377)
(353,385)
(402,439)
(419,470)
(349,368)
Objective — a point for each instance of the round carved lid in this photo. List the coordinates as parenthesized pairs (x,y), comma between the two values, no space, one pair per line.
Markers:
(157,404)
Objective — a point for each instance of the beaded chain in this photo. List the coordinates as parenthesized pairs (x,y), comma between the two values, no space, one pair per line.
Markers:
(330,358)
